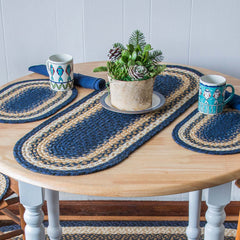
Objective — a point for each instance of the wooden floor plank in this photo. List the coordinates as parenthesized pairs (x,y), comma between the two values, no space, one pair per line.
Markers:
(131,210)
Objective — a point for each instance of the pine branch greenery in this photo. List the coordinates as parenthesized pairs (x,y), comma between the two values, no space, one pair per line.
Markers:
(136,61)
(118,45)
(137,38)
(156,55)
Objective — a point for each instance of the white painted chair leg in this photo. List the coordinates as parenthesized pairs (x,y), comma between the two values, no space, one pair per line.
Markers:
(193,230)
(54,229)
(217,198)
(32,199)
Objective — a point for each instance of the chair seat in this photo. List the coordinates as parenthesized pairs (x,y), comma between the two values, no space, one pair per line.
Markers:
(4,185)
(9,187)
(238,227)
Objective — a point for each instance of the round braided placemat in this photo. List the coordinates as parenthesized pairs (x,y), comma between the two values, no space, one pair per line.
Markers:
(85,137)
(213,134)
(31,100)
(4,185)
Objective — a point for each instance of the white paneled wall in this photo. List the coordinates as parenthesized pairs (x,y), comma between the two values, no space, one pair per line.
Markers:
(170,28)
(69,28)
(194,32)
(102,26)
(215,35)
(29,33)
(3,62)
(140,19)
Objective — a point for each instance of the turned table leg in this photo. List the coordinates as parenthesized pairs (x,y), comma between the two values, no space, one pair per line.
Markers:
(217,198)
(32,199)
(54,229)
(193,230)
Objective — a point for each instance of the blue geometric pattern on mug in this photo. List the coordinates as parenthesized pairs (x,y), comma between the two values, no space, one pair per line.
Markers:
(212,96)
(68,71)
(52,71)
(210,109)
(60,72)
(211,99)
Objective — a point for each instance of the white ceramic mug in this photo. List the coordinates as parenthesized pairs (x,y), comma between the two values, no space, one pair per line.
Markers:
(60,70)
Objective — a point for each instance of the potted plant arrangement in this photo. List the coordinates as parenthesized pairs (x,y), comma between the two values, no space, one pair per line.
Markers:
(131,73)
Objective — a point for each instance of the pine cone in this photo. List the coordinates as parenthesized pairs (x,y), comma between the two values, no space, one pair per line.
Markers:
(137,72)
(114,53)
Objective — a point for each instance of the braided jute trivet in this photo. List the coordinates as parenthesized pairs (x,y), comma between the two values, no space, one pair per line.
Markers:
(4,185)
(31,100)
(213,134)
(85,137)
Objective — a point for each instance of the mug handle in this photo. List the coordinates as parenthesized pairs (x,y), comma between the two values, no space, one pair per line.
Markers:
(232,94)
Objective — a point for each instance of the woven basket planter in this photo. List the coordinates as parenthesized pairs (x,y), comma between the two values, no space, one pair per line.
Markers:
(131,95)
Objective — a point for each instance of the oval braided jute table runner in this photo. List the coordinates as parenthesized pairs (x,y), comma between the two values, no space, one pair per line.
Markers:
(86,138)
(213,134)
(4,185)
(31,100)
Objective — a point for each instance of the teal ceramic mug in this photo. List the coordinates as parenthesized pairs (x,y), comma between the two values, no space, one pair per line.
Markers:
(212,94)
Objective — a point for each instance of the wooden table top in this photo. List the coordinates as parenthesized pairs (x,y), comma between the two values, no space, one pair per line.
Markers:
(159,167)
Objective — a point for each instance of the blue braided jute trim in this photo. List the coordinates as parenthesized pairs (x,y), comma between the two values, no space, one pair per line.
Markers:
(230,225)
(121,156)
(6,187)
(200,147)
(41,102)
(98,225)
(186,68)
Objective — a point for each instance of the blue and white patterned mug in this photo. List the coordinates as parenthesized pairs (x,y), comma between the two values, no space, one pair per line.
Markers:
(60,70)
(212,94)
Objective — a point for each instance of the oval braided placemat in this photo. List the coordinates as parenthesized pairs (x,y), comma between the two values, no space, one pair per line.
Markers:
(4,185)
(213,134)
(85,137)
(31,100)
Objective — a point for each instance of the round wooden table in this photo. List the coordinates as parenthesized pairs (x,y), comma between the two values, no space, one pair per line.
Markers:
(159,167)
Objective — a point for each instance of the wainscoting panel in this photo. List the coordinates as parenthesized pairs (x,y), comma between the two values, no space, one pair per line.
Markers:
(170,29)
(3,63)
(70,31)
(102,27)
(215,38)
(30,33)
(139,20)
